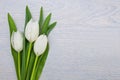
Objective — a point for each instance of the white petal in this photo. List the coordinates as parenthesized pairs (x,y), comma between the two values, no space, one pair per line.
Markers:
(12,39)
(32,30)
(40,44)
(17,41)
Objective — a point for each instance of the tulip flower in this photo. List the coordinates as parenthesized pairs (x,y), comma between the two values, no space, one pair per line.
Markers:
(31,34)
(32,30)
(17,41)
(17,44)
(31,49)
(40,44)
(39,48)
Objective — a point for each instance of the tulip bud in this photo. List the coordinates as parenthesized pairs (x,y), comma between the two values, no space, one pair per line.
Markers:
(17,41)
(32,30)
(40,44)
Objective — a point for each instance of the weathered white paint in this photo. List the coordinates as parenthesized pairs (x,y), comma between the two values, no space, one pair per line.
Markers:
(85,45)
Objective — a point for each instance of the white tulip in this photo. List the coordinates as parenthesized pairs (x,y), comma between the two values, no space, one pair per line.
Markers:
(32,30)
(17,41)
(40,44)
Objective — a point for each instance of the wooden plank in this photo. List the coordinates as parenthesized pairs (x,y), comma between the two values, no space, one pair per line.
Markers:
(85,45)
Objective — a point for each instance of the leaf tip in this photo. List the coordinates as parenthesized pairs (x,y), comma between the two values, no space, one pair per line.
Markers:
(50,14)
(41,8)
(8,14)
(26,6)
(55,23)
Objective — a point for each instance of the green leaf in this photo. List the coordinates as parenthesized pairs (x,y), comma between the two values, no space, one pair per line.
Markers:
(28,15)
(30,67)
(46,23)
(51,27)
(41,63)
(25,47)
(41,17)
(12,27)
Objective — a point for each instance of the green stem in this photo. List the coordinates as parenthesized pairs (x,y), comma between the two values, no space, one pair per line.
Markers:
(33,71)
(19,66)
(28,56)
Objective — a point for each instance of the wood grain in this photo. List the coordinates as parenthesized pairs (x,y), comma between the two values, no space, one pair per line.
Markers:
(85,45)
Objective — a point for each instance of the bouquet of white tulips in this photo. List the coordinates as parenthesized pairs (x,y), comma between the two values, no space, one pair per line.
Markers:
(30,48)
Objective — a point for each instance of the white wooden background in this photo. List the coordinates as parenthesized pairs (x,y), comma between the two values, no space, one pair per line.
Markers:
(85,45)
